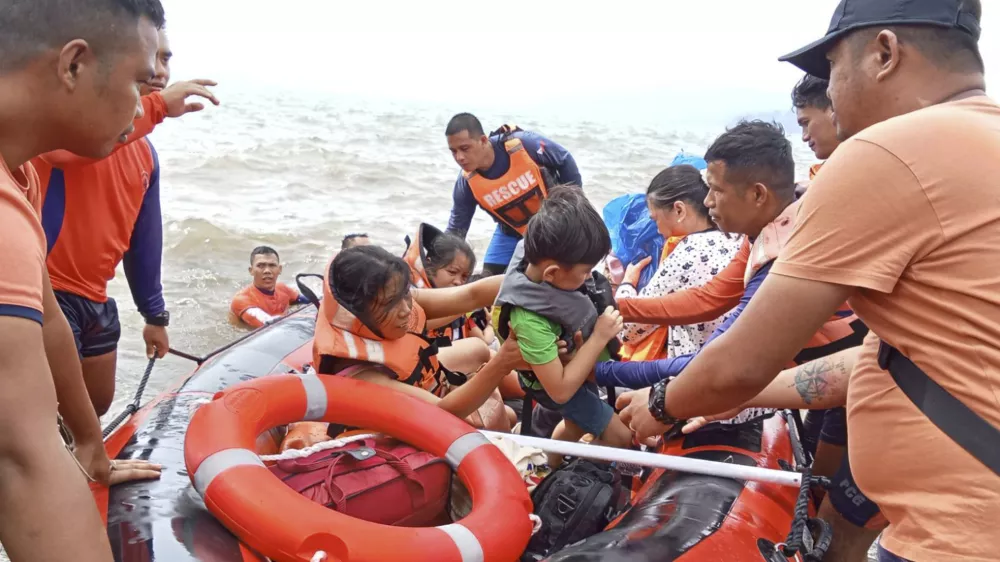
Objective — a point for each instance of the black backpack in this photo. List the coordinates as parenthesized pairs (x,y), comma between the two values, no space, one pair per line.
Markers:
(576,501)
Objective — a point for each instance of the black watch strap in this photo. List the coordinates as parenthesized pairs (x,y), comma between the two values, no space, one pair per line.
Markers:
(657,404)
(162,319)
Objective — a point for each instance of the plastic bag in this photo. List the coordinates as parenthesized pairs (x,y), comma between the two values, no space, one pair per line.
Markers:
(633,232)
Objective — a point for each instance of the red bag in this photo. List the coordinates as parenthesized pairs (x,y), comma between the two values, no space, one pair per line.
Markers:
(379,480)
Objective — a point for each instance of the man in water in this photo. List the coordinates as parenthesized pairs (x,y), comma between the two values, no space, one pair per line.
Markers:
(904,221)
(123,189)
(507,174)
(266,299)
(69,77)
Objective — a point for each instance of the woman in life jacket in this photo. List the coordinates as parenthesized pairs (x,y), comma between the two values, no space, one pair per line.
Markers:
(372,325)
(696,251)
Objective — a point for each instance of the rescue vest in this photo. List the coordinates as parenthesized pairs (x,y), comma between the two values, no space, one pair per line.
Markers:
(814,169)
(515,197)
(415,256)
(765,249)
(574,311)
(340,334)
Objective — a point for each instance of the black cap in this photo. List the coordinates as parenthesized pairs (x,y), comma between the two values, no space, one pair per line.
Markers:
(856,14)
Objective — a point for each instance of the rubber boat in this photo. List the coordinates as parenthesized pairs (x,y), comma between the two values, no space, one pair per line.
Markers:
(674,516)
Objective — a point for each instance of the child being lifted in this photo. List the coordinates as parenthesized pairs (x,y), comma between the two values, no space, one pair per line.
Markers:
(544,299)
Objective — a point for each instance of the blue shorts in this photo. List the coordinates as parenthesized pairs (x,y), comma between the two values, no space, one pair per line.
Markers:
(587,410)
(501,248)
(95,324)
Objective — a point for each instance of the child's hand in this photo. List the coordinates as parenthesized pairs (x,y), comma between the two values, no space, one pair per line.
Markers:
(609,325)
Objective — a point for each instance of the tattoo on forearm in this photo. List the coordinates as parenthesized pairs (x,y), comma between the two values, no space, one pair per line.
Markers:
(813,379)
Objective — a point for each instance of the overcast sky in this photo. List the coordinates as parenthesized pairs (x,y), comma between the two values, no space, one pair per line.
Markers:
(519,53)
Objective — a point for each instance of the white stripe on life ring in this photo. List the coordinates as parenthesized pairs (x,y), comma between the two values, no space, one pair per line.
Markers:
(462,446)
(467,543)
(220,462)
(315,397)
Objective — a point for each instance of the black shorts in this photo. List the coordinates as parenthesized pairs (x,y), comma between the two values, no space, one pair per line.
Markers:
(95,324)
(828,426)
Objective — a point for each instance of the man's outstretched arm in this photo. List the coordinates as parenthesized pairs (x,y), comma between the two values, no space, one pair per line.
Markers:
(735,367)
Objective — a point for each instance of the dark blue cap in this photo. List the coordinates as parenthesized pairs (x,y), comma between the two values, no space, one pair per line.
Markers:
(851,15)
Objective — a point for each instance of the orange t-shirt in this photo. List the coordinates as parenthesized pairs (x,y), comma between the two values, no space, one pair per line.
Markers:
(255,308)
(23,248)
(908,211)
(94,207)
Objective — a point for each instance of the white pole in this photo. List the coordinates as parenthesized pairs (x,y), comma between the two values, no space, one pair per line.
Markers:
(655,460)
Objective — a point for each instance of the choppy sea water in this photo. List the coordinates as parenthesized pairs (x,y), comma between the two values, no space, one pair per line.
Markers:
(298,173)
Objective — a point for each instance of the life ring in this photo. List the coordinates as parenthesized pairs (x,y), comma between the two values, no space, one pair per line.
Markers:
(279,523)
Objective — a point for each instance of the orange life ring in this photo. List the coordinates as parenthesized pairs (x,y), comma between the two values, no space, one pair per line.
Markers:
(272,518)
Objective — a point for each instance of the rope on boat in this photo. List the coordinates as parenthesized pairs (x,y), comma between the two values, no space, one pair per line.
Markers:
(322,446)
(136,401)
(800,536)
(320,556)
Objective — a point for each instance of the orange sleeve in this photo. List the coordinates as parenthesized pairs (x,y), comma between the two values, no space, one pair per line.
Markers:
(700,304)
(241,304)
(293,295)
(154,112)
(22,253)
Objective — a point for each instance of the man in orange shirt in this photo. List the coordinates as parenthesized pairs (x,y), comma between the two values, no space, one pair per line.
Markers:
(123,189)
(69,76)
(904,221)
(266,299)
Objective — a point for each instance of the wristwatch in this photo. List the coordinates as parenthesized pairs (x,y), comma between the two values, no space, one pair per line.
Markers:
(657,404)
(162,319)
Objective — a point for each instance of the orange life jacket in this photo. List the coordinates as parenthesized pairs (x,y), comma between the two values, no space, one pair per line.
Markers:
(412,359)
(814,169)
(516,196)
(765,250)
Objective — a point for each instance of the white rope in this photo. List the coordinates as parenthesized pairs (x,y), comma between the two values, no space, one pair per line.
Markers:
(323,446)
(536,523)
(320,556)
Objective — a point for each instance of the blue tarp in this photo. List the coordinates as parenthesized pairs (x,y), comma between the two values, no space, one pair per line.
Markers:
(633,232)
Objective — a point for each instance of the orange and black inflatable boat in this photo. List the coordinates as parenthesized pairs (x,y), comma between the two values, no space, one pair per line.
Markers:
(681,517)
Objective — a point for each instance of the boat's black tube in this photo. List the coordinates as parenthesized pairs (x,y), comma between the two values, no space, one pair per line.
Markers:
(165,520)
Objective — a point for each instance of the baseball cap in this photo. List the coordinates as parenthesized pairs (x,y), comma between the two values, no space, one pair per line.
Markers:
(851,15)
